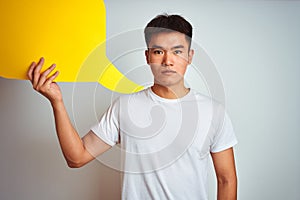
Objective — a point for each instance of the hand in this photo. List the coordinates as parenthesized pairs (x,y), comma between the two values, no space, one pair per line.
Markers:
(44,84)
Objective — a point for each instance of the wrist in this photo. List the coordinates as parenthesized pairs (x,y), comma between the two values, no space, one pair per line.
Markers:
(57,104)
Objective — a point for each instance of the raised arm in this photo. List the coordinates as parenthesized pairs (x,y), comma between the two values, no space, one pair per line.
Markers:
(226,174)
(72,145)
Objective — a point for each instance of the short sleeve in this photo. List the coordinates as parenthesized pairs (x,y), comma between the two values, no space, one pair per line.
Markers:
(225,138)
(108,127)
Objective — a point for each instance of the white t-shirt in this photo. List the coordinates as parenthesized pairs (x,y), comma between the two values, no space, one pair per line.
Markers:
(166,143)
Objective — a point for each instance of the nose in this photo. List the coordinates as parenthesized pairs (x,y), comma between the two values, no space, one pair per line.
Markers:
(167,59)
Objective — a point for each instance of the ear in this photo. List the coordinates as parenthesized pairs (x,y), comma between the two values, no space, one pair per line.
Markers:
(147,56)
(191,54)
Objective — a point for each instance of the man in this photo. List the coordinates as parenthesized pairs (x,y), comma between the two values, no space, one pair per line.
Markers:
(166,131)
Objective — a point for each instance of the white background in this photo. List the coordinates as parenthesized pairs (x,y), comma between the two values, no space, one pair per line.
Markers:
(255,46)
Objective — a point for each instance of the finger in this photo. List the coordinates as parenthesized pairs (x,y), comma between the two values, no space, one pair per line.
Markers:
(30,70)
(51,78)
(44,75)
(37,71)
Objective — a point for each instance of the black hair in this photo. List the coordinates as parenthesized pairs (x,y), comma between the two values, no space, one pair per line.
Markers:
(168,23)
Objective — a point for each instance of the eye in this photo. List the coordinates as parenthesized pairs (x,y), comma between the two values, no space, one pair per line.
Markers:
(177,52)
(158,52)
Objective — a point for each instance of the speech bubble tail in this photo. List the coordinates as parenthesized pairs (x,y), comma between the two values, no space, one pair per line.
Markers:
(98,68)
(114,80)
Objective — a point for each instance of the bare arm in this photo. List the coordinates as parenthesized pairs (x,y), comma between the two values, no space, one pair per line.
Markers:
(72,146)
(226,174)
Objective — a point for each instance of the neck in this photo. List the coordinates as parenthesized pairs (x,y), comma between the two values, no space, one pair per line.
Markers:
(169,92)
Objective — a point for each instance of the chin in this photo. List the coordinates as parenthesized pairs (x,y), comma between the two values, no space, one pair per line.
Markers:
(167,83)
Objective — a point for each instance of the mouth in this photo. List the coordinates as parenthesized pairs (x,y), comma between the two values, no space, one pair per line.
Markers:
(168,71)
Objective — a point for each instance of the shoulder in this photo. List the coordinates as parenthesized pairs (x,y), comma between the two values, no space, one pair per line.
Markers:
(136,95)
(200,96)
(210,108)
(205,100)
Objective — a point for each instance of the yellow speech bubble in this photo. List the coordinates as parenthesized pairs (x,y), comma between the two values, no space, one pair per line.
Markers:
(65,32)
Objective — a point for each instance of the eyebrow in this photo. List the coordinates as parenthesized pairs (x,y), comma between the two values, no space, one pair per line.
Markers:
(160,47)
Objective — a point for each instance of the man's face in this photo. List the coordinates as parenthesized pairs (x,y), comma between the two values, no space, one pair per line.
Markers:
(168,55)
